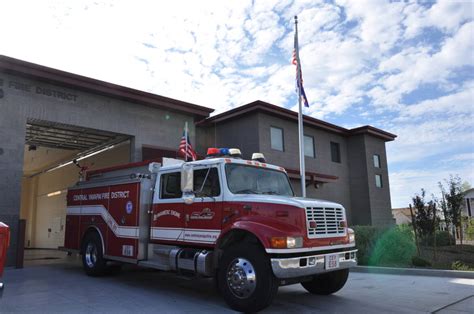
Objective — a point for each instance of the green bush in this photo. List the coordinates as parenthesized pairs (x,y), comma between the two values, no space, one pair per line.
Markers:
(443,238)
(366,236)
(420,262)
(384,247)
(458,265)
(394,248)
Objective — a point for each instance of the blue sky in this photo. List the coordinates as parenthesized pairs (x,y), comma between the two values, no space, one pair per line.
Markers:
(404,67)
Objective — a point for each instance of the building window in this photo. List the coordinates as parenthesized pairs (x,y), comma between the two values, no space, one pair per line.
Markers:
(378,180)
(276,137)
(335,152)
(377,161)
(309,146)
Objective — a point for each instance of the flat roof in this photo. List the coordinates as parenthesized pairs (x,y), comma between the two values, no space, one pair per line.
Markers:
(261,106)
(49,75)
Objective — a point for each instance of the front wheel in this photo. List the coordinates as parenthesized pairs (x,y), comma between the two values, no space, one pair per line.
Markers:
(327,283)
(245,278)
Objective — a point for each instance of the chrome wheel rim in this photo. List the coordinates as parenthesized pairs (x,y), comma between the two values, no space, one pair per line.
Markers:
(91,255)
(241,278)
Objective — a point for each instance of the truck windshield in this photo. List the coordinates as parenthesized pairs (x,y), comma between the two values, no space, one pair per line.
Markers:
(242,179)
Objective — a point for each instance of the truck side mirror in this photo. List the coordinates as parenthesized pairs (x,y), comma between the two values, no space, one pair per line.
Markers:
(187,183)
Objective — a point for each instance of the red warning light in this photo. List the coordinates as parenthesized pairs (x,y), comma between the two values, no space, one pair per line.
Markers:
(212,151)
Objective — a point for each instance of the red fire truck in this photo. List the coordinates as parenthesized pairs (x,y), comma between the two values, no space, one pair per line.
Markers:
(4,242)
(224,217)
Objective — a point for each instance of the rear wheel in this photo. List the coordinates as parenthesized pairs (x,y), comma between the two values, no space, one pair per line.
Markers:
(327,283)
(92,256)
(245,278)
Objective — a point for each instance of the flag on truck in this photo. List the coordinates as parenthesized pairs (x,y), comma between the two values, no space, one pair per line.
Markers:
(299,74)
(185,148)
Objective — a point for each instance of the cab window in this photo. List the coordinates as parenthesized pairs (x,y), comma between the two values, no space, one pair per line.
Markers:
(171,185)
(211,185)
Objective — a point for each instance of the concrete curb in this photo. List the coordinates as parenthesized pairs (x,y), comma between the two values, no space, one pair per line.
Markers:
(414,272)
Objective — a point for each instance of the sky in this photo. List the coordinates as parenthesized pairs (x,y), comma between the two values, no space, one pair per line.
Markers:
(404,67)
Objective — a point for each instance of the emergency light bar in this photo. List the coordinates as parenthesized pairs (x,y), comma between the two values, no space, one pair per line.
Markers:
(213,152)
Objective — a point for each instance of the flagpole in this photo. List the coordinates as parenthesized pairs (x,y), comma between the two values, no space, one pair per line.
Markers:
(186,139)
(300,114)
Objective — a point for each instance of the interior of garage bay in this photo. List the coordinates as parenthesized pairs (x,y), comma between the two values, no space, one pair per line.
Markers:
(55,158)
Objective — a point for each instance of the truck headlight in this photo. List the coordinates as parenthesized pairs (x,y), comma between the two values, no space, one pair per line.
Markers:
(351,233)
(286,242)
(294,242)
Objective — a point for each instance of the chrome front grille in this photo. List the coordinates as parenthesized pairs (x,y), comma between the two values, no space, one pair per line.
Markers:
(328,222)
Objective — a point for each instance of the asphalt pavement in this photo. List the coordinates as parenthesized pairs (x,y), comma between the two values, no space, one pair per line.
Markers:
(58,285)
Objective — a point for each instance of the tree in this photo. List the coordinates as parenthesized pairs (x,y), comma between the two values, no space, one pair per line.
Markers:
(452,201)
(424,214)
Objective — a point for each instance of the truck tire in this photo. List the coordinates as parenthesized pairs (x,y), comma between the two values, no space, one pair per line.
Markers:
(92,256)
(245,278)
(327,283)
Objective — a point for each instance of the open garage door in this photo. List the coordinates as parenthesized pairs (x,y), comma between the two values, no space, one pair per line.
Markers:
(54,156)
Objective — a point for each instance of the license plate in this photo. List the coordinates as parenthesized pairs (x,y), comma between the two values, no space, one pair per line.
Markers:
(332,261)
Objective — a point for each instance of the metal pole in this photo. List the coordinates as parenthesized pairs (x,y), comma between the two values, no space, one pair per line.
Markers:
(186,139)
(300,114)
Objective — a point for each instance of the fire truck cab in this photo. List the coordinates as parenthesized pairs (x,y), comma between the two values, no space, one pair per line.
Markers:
(224,217)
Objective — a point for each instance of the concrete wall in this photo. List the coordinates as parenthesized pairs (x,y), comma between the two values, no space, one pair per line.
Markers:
(21,102)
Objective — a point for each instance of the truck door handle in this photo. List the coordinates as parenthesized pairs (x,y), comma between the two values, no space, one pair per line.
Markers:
(247,207)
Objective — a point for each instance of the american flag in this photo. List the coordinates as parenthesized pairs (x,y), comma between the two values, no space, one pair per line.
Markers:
(185,148)
(299,74)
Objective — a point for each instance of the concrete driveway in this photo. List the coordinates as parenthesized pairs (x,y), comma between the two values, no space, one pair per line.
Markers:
(60,286)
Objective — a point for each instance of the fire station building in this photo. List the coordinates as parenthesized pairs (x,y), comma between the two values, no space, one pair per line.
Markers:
(51,118)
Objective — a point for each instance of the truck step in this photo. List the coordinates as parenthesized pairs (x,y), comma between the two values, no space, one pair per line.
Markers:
(165,250)
(156,264)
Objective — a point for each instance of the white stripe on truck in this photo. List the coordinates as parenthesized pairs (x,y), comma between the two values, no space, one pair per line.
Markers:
(119,231)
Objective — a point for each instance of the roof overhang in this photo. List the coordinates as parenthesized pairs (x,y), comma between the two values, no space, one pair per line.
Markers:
(261,106)
(49,75)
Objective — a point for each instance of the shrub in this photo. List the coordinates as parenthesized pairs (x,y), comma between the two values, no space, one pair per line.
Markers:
(394,248)
(382,246)
(366,236)
(420,262)
(443,238)
(458,265)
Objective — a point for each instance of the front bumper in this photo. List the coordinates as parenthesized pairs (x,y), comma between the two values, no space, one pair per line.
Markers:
(301,266)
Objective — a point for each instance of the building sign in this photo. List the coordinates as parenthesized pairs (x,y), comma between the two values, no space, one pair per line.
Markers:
(28,88)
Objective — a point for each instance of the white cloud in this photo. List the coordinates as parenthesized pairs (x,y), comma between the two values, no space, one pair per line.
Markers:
(413,67)
(456,103)
(420,140)
(444,15)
